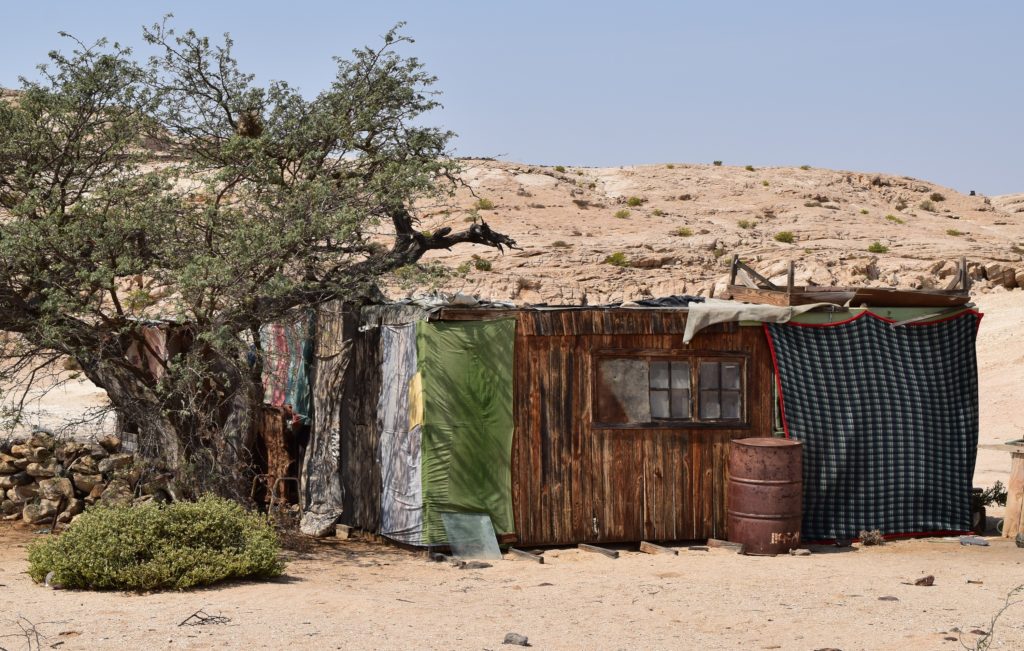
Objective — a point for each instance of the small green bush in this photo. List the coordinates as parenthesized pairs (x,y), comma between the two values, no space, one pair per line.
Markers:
(894,219)
(952,232)
(746,224)
(878,247)
(158,547)
(617,259)
(633,202)
(670,166)
(937,196)
(786,237)
(560,244)
(481,264)
(927,205)
(805,167)
(484,204)
(717,163)
(658,212)
(749,168)
(621,214)
(559,168)
(764,183)
(863,211)
(683,231)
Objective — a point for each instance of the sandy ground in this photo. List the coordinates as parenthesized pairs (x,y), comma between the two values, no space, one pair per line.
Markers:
(356,595)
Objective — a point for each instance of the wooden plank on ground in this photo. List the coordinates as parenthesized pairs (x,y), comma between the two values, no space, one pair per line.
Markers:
(724,544)
(651,548)
(520,554)
(610,553)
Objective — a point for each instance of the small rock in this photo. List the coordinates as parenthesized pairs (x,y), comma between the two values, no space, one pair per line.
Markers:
(925,580)
(472,565)
(1020,539)
(84,483)
(23,493)
(95,493)
(888,598)
(114,462)
(41,439)
(85,464)
(39,512)
(69,451)
(74,507)
(8,482)
(9,507)
(117,492)
(973,540)
(8,464)
(97,452)
(110,443)
(20,450)
(871,537)
(43,470)
(517,639)
(799,552)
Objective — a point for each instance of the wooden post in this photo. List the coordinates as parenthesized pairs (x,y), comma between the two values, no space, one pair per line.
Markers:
(790,276)
(1013,522)
(733,268)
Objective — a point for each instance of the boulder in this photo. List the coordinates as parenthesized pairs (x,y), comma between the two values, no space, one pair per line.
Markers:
(23,493)
(117,492)
(74,507)
(110,443)
(131,475)
(1018,276)
(85,465)
(7,464)
(9,507)
(39,455)
(56,489)
(85,482)
(39,512)
(20,450)
(95,493)
(69,451)
(43,470)
(17,479)
(97,452)
(41,439)
(1001,275)
(116,462)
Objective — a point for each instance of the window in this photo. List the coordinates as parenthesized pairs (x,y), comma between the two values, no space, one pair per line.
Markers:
(655,389)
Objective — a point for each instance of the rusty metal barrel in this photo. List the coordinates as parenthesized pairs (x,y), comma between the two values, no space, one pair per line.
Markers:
(764,497)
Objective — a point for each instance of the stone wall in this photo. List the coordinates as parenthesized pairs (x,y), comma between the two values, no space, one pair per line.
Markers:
(45,481)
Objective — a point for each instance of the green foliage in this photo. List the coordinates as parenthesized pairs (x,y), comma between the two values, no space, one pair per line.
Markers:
(633,202)
(481,264)
(927,205)
(717,163)
(937,196)
(484,204)
(894,219)
(670,166)
(877,247)
(764,183)
(621,214)
(952,232)
(749,168)
(786,237)
(617,259)
(683,231)
(560,168)
(658,212)
(746,224)
(863,211)
(805,167)
(159,547)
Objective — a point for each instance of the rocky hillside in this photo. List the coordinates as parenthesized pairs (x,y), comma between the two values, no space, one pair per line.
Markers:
(609,234)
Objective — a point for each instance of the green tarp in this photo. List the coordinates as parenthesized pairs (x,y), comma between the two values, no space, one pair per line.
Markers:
(466,375)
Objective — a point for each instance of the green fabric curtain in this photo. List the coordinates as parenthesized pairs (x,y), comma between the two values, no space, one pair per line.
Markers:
(466,374)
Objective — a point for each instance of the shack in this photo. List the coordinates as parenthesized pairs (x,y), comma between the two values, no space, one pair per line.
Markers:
(570,424)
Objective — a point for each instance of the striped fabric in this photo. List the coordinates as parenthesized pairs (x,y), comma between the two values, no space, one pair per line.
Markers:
(888,418)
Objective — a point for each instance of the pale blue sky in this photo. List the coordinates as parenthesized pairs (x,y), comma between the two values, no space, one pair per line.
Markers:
(926,89)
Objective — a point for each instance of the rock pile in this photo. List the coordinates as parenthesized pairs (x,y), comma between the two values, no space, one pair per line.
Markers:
(46,481)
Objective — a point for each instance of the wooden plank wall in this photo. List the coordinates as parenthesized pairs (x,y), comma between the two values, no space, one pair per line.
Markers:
(360,436)
(573,482)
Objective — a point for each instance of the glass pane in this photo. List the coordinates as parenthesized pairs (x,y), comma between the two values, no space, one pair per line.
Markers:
(659,375)
(710,408)
(659,404)
(731,405)
(730,375)
(681,403)
(680,375)
(622,394)
(709,375)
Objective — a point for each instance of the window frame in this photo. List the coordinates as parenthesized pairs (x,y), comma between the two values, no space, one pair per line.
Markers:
(694,359)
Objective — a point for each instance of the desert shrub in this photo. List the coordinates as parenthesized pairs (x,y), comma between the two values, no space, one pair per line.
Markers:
(156,547)
(746,224)
(621,214)
(683,231)
(749,168)
(805,167)
(901,205)
(877,247)
(717,163)
(658,212)
(560,244)
(480,264)
(686,197)
(617,259)
(952,232)
(894,219)
(863,211)
(927,205)
(591,185)
(812,204)
(937,196)
(786,237)
(484,204)
(764,183)
(633,202)
(559,168)
(670,166)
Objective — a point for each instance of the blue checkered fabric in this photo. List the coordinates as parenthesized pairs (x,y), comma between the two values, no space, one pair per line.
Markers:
(888,418)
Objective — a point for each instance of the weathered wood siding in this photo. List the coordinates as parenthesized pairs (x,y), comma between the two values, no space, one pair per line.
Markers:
(574,482)
(360,436)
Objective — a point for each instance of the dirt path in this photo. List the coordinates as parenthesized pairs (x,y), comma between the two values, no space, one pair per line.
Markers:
(355,595)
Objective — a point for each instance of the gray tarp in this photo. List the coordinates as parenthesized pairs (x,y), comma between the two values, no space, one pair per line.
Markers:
(401,495)
(712,311)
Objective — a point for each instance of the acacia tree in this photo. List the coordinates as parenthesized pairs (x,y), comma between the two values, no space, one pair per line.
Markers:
(178,188)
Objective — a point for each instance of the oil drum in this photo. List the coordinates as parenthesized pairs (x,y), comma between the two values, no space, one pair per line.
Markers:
(765,495)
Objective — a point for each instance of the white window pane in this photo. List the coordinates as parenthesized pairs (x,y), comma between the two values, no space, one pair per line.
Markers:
(709,375)
(660,404)
(680,375)
(681,403)
(659,375)
(730,375)
(710,407)
(731,405)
